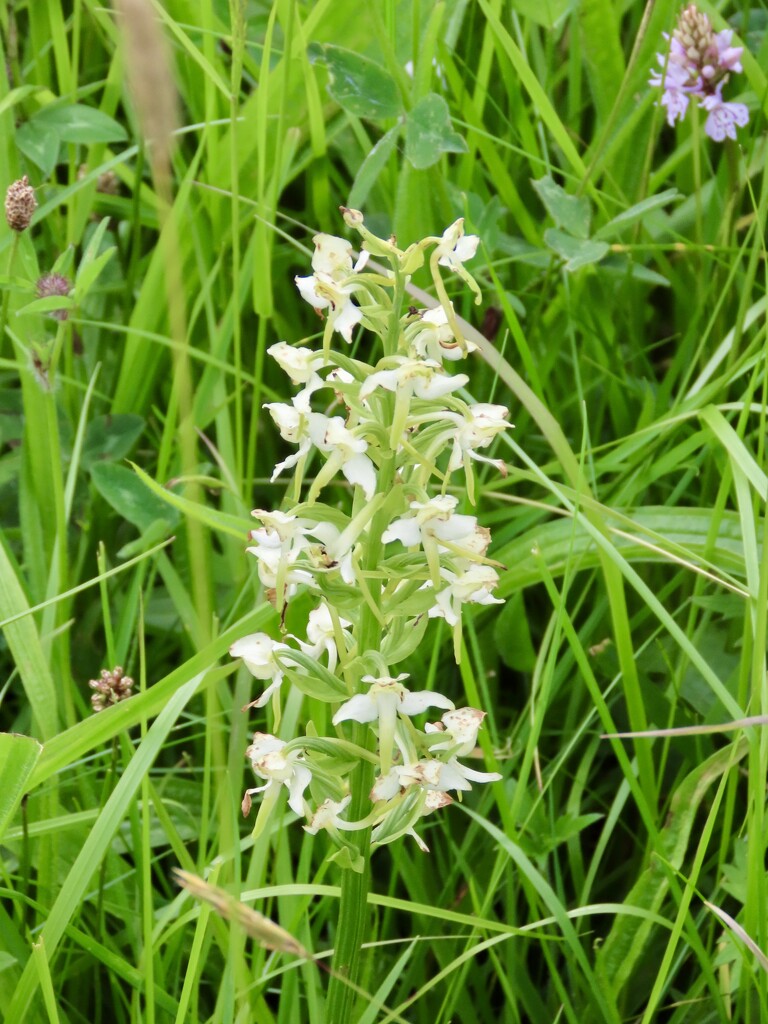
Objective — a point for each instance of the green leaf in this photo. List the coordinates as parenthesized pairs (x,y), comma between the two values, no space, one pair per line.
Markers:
(93,261)
(513,637)
(602,50)
(572,213)
(403,639)
(108,438)
(314,679)
(76,122)
(49,304)
(546,13)
(372,166)
(38,145)
(129,496)
(637,212)
(576,252)
(18,757)
(429,133)
(359,85)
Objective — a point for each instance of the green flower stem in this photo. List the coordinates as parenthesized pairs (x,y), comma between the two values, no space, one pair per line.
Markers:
(7,292)
(355,885)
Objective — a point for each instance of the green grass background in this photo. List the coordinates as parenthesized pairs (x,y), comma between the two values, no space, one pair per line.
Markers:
(603,879)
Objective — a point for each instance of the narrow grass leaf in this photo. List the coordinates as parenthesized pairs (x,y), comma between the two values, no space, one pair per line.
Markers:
(18,757)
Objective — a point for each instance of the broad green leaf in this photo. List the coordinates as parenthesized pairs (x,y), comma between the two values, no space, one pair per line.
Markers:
(576,252)
(513,637)
(637,212)
(129,496)
(372,166)
(18,757)
(619,265)
(403,639)
(429,134)
(108,438)
(39,145)
(572,213)
(77,122)
(359,85)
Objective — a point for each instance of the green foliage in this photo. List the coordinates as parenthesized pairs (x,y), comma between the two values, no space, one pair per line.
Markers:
(623,322)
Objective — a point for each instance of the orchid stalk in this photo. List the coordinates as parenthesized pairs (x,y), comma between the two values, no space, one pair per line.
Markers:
(397,434)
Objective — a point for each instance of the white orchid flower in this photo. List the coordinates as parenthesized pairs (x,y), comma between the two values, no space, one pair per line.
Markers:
(432,337)
(385,700)
(460,728)
(321,634)
(477,430)
(336,553)
(331,286)
(346,452)
(433,521)
(276,563)
(411,378)
(301,364)
(293,423)
(327,817)
(455,248)
(258,653)
(417,378)
(472,586)
(442,776)
(270,762)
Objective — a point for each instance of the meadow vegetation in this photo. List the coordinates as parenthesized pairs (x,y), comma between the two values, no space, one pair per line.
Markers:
(180,173)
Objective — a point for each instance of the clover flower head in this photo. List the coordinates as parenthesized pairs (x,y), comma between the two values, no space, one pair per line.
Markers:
(20,204)
(111,687)
(54,284)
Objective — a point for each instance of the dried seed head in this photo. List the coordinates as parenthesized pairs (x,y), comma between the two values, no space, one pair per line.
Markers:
(20,204)
(111,688)
(150,76)
(54,284)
